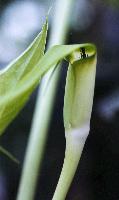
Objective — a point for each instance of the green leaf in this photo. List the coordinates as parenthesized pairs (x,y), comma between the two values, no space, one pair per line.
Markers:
(21,66)
(11,76)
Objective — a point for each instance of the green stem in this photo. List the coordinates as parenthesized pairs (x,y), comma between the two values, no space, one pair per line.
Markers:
(43,109)
(75,140)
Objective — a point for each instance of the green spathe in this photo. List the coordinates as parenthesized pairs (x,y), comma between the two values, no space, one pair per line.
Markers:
(78,100)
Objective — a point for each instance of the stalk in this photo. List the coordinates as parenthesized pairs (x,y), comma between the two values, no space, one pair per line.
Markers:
(74,146)
(43,109)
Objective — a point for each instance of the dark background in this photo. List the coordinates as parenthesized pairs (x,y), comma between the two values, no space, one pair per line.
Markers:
(97,176)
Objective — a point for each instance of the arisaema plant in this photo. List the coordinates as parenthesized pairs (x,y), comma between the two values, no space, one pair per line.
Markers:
(19,79)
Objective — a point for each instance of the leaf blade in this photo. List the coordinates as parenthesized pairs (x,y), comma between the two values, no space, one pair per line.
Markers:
(22,65)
